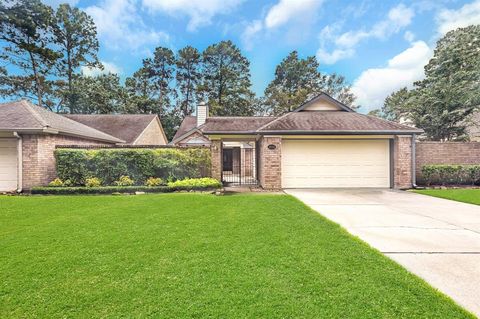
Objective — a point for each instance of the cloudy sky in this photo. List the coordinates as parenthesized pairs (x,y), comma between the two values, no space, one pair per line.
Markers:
(379,46)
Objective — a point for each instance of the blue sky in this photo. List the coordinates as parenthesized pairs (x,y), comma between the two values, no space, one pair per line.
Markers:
(379,46)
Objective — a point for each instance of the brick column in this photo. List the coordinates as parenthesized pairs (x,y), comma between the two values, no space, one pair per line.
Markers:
(270,167)
(402,162)
(216,151)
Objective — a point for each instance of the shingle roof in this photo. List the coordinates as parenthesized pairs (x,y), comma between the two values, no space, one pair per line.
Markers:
(188,123)
(127,127)
(232,124)
(331,122)
(25,116)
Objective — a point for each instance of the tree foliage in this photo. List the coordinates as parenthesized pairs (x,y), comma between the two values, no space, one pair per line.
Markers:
(26,29)
(75,35)
(297,80)
(226,80)
(188,77)
(450,93)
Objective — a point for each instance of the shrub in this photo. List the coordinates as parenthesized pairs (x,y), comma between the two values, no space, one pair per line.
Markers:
(206,182)
(57,182)
(139,164)
(93,182)
(124,181)
(153,181)
(451,174)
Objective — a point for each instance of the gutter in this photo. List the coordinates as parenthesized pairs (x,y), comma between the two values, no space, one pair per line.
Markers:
(19,162)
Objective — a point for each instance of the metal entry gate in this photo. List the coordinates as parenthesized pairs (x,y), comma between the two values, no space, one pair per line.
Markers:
(239,165)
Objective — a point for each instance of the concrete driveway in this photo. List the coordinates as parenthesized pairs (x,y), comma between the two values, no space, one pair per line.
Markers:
(437,239)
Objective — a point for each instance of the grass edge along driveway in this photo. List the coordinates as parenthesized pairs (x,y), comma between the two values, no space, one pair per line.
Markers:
(465,195)
(196,255)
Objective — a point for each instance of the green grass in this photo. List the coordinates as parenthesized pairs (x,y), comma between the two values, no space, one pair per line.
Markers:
(196,256)
(471,196)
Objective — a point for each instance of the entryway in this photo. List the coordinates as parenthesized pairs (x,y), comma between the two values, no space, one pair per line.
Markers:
(239,163)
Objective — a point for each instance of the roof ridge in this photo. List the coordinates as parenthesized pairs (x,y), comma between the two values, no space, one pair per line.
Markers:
(30,108)
(272,121)
(387,121)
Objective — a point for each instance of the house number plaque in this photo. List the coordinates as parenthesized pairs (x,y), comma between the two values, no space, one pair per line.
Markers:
(272,147)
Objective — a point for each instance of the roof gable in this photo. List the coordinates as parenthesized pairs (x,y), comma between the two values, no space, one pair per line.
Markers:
(127,127)
(24,116)
(323,102)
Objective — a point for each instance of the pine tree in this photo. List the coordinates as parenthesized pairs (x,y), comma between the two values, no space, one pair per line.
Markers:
(26,31)
(188,77)
(226,80)
(76,37)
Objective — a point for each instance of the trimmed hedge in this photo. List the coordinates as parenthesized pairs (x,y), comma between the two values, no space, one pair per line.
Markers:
(451,174)
(114,189)
(109,165)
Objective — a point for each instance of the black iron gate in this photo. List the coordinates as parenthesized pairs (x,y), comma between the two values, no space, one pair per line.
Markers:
(239,165)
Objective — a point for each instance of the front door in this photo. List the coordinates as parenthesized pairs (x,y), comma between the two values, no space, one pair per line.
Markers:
(227,159)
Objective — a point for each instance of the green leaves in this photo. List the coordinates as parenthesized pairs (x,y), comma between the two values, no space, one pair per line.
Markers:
(451,174)
(442,103)
(109,165)
(296,80)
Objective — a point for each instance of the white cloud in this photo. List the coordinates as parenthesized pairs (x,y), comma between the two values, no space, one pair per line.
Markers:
(397,18)
(200,12)
(286,10)
(452,19)
(249,33)
(119,25)
(374,85)
(409,36)
(334,56)
(108,67)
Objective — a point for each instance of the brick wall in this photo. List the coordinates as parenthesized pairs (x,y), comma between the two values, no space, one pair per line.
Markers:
(270,166)
(445,153)
(402,158)
(216,149)
(152,135)
(38,158)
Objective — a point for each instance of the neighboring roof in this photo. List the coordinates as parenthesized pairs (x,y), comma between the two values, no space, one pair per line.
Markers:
(23,116)
(333,122)
(188,123)
(127,127)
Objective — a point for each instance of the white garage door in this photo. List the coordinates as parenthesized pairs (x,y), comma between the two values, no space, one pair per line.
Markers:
(8,164)
(335,163)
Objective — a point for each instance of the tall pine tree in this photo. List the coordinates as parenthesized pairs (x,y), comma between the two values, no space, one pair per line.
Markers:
(188,77)
(226,80)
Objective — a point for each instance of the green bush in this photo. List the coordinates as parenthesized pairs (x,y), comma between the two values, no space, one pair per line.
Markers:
(451,174)
(93,182)
(109,165)
(153,181)
(206,182)
(124,181)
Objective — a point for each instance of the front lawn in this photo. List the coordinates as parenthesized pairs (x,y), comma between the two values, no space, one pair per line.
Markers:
(471,196)
(196,256)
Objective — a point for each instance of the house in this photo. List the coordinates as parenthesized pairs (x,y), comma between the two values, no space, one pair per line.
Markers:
(29,135)
(134,129)
(322,143)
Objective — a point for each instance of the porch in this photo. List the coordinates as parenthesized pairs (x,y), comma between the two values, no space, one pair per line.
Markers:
(239,163)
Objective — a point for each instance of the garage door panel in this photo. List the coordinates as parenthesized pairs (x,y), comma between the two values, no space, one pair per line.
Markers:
(8,164)
(334,163)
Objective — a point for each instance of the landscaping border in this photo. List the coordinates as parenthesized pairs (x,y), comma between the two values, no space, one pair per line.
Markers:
(107,190)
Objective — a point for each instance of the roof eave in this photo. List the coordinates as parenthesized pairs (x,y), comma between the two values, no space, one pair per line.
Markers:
(341,132)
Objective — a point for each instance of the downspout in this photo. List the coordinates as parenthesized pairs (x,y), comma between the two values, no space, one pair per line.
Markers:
(19,162)
(414,164)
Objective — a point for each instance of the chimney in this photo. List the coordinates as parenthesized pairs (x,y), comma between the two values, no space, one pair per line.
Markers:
(202,113)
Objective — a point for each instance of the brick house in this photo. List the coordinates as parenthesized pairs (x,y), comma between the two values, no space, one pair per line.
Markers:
(322,143)
(29,135)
